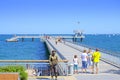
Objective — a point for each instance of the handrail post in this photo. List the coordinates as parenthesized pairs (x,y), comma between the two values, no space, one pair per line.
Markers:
(66,69)
(70,69)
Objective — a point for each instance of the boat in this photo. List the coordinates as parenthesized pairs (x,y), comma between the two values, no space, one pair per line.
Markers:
(12,40)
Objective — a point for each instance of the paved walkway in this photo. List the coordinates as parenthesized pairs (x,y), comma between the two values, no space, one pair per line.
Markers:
(106,71)
(49,78)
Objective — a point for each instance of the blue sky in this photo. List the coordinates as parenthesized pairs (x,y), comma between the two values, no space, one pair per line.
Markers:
(59,16)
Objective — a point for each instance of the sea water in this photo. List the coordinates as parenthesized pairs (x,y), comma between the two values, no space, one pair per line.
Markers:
(36,50)
(26,50)
(109,43)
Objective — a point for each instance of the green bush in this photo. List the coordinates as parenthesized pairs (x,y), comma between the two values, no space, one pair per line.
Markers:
(19,69)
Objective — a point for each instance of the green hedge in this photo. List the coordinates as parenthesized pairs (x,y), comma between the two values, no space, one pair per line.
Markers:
(19,69)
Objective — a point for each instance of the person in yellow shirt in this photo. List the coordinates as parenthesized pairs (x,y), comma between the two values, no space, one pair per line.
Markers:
(96,58)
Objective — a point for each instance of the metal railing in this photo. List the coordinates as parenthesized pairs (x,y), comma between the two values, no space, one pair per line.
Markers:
(38,67)
(106,55)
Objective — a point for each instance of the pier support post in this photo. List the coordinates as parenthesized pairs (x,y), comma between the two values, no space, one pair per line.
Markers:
(32,39)
(74,39)
(81,39)
(22,39)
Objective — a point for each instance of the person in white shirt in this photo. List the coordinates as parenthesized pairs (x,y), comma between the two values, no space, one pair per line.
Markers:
(75,62)
(84,57)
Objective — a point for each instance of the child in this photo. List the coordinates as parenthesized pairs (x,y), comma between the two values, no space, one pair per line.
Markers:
(75,61)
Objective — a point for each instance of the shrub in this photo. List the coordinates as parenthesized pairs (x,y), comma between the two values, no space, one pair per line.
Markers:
(19,69)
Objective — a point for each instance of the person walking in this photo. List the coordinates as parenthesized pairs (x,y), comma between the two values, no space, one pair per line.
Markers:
(53,60)
(96,58)
(75,62)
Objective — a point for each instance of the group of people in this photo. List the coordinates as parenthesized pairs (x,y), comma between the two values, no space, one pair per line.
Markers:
(59,39)
(89,59)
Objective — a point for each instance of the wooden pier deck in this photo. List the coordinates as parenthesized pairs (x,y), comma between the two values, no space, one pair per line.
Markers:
(106,71)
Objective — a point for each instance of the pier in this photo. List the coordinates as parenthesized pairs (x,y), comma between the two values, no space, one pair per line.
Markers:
(16,38)
(108,70)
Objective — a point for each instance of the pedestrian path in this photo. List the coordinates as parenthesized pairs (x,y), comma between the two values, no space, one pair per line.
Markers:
(106,71)
(49,78)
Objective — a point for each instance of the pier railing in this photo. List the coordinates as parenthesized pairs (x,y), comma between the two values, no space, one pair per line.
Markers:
(107,56)
(38,67)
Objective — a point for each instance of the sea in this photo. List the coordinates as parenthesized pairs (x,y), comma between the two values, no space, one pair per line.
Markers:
(26,50)
(37,50)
